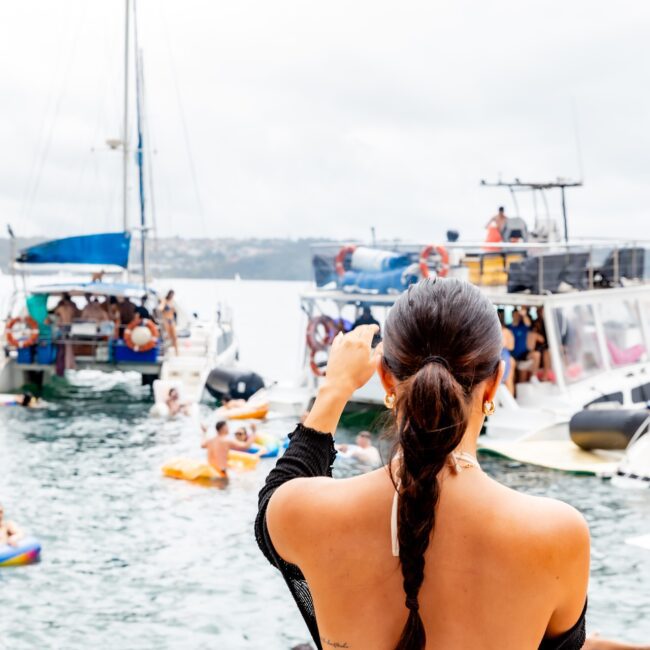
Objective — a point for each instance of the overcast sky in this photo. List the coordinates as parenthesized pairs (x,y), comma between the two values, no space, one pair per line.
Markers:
(322,119)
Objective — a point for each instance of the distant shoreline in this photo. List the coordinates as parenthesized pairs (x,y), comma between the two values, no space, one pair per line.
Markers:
(218,259)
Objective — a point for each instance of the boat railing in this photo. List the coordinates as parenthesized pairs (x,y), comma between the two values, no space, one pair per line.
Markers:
(518,266)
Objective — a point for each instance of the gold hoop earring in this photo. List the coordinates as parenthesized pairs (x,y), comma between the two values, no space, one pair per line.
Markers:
(389,401)
(488,407)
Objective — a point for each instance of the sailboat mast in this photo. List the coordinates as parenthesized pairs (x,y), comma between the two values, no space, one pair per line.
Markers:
(125,136)
(139,84)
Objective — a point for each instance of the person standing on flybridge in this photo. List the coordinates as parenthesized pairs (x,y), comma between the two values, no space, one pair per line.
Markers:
(496,226)
(444,556)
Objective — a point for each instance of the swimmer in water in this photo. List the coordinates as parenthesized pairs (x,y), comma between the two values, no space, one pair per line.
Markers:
(27,400)
(9,531)
(218,446)
(175,405)
(363,451)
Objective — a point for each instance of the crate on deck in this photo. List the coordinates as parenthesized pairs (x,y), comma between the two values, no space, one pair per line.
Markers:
(45,352)
(25,355)
(123,353)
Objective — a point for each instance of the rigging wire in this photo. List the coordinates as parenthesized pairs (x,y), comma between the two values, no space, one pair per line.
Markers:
(57,108)
(186,136)
(42,127)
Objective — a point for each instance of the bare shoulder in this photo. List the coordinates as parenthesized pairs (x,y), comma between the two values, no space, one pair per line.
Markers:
(554,528)
(304,513)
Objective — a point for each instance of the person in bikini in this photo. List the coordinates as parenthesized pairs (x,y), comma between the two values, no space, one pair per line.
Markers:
(168,312)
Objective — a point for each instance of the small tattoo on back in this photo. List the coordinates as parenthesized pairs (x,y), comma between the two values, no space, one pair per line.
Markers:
(334,644)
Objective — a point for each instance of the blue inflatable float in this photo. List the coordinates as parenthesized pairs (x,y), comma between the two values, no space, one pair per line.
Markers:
(27,552)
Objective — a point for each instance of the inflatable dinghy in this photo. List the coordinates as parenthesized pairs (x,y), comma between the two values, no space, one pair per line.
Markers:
(608,428)
(233,383)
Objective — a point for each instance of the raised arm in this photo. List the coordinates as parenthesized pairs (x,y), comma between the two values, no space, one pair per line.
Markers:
(311,451)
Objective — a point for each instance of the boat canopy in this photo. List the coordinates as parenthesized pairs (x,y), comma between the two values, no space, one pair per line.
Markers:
(111,248)
(95,288)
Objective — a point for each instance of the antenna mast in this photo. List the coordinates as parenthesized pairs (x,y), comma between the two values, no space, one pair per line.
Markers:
(560,183)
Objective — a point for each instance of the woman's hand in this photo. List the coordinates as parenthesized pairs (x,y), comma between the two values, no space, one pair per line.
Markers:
(352,362)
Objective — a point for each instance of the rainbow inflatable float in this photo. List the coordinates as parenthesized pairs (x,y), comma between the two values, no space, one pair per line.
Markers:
(27,552)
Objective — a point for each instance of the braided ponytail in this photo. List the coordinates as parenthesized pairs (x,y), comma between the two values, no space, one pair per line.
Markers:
(441,339)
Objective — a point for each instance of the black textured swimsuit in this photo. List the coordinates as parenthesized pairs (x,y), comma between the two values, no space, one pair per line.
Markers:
(312,454)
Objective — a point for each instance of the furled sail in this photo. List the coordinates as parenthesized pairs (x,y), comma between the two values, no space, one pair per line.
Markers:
(111,248)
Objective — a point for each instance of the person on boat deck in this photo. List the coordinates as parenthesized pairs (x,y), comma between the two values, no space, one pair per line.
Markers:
(10,533)
(363,451)
(498,221)
(445,556)
(520,327)
(113,314)
(93,310)
(366,318)
(506,353)
(127,311)
(66,311)
(168,313)
(538,345)
(175,405)
(142,311)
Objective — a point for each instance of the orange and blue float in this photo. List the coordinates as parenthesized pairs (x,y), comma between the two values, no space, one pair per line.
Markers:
(267,444)
(27,551)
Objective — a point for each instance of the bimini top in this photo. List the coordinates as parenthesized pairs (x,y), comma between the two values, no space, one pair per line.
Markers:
(110,249)
(95,288)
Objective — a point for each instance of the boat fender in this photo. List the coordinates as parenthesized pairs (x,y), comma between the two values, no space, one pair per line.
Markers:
(607,428)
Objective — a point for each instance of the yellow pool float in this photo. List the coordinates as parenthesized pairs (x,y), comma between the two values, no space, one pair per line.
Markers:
(191,469)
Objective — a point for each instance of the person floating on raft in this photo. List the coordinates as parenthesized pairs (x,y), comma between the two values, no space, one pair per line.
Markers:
(174,404)
(218,446)
(10,533)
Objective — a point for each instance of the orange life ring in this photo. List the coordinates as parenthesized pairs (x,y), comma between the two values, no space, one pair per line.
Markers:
(316,340)
(315,368)
(340,259)
(33,332)
(150,344)
(424,257)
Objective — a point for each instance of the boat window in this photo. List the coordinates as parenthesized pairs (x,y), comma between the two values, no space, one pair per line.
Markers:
(641,394)
(623,335)
(576,332)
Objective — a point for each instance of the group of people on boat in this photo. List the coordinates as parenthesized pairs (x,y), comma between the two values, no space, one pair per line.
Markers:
(118,313)
(525,351)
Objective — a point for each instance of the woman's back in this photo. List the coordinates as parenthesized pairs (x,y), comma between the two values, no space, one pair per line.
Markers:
(429,552)
(492,570)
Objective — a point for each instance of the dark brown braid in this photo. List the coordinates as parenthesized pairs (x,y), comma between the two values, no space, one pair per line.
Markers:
(441,339)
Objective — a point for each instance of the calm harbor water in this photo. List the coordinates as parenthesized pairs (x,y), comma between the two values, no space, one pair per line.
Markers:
(135,559)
